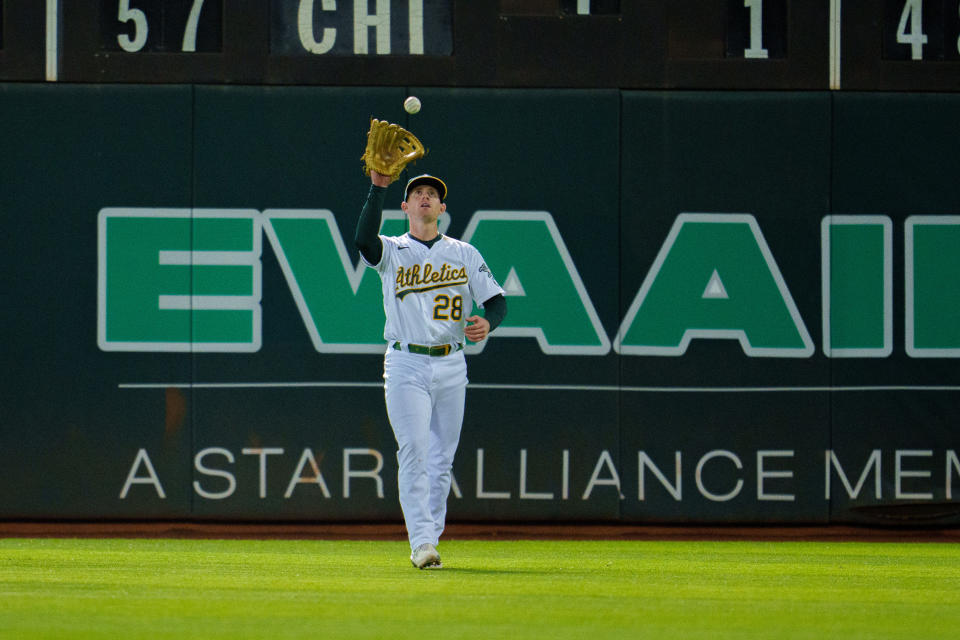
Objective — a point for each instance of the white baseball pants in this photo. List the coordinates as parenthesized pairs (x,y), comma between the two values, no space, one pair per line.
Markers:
(425,398)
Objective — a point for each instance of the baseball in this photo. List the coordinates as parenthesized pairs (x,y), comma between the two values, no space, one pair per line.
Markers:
(412,104)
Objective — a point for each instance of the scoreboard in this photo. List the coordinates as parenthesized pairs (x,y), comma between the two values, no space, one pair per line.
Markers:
(898,45)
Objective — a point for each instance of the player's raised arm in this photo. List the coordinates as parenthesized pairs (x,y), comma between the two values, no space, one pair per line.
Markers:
(367,238)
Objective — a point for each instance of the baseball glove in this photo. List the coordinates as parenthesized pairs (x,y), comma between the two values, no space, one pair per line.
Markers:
(390,148)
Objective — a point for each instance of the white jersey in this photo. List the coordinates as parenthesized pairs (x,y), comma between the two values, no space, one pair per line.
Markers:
(428,292)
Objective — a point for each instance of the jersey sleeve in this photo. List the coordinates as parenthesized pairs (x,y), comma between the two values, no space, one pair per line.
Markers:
(389,244)
(483,285)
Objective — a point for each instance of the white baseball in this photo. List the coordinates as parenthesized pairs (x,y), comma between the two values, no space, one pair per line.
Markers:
(412,104)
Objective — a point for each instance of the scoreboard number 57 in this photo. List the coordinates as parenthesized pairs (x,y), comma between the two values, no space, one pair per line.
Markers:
(185,26)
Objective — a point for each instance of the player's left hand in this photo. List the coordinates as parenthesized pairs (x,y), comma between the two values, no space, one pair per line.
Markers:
(478,330)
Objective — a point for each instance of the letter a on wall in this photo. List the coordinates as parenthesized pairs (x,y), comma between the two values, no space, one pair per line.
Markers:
(714,278)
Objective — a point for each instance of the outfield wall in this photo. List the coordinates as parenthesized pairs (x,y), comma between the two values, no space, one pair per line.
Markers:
(723,306)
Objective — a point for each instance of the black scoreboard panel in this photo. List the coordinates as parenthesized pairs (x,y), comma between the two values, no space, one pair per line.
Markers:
(496,43)
(311,42)
(630,44)
(160,41)
(746,44)
(22,40)
(733,44)
(902,45)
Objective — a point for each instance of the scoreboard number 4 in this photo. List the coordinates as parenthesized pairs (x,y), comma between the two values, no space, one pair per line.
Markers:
(912,13)
(921,30)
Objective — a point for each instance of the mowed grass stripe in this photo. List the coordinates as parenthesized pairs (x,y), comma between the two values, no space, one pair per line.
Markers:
(109,588)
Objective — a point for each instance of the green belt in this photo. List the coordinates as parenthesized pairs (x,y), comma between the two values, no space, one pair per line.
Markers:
(438,350)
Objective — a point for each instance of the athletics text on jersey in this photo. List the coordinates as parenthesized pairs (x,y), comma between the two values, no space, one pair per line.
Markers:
(429,291)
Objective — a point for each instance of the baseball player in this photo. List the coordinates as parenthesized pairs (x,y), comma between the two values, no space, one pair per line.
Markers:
(430,282)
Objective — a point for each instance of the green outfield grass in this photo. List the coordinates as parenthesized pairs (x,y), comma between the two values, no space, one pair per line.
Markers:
(110,588)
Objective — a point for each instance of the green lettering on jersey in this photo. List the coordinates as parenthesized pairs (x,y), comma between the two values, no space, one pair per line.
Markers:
(714,278)
(546,297)
(179,280)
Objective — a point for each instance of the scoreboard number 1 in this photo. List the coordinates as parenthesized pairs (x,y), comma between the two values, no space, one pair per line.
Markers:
(756,49)
(756,29)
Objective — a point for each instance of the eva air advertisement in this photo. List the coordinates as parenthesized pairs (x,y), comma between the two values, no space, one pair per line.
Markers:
(722,306)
